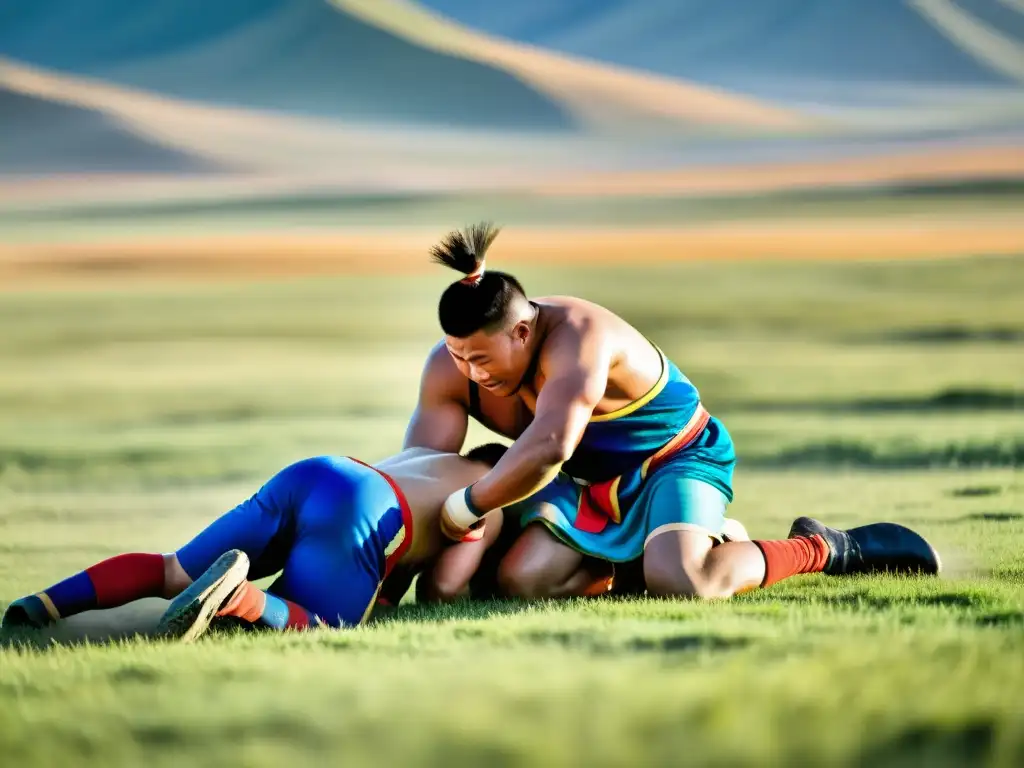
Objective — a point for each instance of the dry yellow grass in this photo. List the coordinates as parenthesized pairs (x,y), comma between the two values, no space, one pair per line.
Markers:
(266,254)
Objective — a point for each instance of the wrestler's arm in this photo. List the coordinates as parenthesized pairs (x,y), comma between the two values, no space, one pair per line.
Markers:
(449,575)
(440,420)
(395,586)
(575,366)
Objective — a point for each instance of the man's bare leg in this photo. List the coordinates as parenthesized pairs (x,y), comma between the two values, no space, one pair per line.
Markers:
(684,562)
(540,566)
(448,577)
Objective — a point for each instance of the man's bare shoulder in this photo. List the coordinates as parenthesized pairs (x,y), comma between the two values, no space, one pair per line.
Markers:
(572,305)
(440,371)
(581,330)
(438,353)
(571,320)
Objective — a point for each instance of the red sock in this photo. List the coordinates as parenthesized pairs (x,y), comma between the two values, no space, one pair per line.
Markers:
(298,617)
(788,557)
(113,582)
(125,578)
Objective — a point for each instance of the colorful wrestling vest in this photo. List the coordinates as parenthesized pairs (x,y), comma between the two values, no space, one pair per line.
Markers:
(660,420)
(618,450)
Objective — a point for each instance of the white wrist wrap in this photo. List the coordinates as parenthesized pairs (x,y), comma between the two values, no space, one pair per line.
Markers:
(457,510)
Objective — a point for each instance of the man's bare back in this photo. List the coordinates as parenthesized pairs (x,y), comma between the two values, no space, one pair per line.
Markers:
(427,477)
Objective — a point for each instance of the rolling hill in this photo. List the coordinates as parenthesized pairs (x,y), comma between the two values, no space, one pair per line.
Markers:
(271,96)
(779,49)
(301,57)
(45,137)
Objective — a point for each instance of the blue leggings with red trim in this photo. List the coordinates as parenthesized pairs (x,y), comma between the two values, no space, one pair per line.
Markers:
(325,523)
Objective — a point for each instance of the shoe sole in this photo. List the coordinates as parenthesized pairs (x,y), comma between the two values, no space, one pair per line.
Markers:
(191,612)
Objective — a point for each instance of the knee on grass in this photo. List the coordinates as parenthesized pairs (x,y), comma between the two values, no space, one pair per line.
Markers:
(523,579)
(434,587)
(694,579)
(681,584)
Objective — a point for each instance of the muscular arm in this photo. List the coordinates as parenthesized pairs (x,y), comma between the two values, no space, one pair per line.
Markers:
(449,576)
(575,366)
(440,420)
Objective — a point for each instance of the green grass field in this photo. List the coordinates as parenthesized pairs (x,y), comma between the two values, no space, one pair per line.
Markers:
(130,417)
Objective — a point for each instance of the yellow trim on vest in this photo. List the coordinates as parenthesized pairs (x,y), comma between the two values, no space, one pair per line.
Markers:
(685,435)
(641,401)
(613,499)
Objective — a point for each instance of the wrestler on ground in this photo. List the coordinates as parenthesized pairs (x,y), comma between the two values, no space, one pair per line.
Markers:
(334,527)
(614,456)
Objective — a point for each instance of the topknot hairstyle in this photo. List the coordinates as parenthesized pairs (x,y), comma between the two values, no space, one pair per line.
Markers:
(482,299)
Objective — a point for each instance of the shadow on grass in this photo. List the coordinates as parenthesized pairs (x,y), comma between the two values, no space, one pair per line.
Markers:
(147,466)
(975,491)
(950,400)
(866,598)
(949,334)
(994,517)
(595,642)
(974,607)
(138,620)
(941,744)
(975,517)
(432,613)
(1001,619)
(592,642)
(883,602)
(286,729)
(107,627)
(33,461)
(253,413)
(858,455)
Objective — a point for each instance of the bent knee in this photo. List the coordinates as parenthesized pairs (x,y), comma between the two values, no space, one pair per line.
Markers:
(680,582)
(517,579)
(676,565)
(441,590)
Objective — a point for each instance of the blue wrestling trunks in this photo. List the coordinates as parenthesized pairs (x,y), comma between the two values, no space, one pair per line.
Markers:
(333,526)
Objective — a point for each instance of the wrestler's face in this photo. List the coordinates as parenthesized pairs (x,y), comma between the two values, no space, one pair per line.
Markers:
(497,361)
